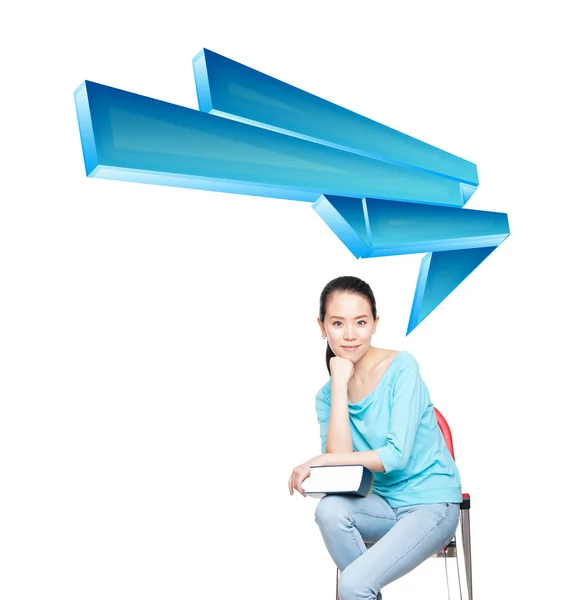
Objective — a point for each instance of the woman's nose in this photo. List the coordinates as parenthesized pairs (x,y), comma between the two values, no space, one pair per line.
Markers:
(349,333)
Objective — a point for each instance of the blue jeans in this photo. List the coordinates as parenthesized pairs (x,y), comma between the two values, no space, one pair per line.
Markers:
(402,539)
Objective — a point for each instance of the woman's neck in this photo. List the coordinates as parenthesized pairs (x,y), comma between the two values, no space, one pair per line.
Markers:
(373,356)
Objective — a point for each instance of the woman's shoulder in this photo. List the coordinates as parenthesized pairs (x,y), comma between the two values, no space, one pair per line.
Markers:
(325,388)
(404,357)
(397,358)
(324,393)
(400,364)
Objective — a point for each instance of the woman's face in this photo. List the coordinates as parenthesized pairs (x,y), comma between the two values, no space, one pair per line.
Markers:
(349,325)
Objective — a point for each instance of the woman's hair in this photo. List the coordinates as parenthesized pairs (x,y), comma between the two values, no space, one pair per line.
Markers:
(350,285)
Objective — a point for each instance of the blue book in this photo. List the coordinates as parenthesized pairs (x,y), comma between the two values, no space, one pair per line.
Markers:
(344,480)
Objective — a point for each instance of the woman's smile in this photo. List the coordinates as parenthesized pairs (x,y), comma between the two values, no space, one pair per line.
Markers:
(350,348)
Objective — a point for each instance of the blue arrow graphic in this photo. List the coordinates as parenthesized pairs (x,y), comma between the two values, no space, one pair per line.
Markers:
(230,89)
(135,138)
(386,228)
(382,192)
(458,240)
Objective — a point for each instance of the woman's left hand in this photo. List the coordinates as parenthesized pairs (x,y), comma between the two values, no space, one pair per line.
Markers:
(301,473)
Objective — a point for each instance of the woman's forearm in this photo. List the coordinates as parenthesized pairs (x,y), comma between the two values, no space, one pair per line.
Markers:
(339,430)
(368,458)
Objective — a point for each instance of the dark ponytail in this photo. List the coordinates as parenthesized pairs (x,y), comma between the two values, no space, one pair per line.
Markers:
(350,285)
(329,356)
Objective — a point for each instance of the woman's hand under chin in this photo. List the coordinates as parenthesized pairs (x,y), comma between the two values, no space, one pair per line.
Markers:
(342,369)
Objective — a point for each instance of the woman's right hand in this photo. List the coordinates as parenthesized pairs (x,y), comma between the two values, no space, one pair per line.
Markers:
(341,369)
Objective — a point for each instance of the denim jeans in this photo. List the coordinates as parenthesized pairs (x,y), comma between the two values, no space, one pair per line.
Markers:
(401,539)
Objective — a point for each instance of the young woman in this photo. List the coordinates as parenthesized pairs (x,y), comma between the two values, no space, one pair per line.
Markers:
(375,410)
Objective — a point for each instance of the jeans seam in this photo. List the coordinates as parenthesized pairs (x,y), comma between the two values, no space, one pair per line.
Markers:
(409,550)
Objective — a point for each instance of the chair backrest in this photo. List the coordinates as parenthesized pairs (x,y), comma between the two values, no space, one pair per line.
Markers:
(445,429)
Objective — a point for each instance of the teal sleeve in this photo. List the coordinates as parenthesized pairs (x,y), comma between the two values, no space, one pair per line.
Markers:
(407,407)
(323,410)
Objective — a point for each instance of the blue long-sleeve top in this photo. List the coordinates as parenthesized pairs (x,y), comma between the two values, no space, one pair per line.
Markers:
(397,420)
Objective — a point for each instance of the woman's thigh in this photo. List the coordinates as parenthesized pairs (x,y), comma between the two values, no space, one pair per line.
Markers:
(371,516)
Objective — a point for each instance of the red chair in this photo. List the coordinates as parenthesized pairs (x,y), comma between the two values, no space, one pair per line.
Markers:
(450,550)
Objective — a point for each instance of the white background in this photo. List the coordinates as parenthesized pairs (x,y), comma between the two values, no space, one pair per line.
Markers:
(160,355)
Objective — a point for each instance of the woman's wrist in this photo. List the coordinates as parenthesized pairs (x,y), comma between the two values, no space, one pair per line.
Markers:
(318,461)
(339,388)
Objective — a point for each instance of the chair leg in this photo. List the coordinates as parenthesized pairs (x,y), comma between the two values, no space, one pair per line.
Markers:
(337,586)
(465,530)
(446,573)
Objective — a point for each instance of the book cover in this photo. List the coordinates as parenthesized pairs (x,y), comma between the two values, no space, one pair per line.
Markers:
(344,480)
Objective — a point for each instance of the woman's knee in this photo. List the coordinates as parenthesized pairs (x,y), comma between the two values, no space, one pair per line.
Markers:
(332,509)
(353,586)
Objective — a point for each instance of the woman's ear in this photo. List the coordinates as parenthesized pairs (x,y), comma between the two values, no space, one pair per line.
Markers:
(321,327)
(375,326)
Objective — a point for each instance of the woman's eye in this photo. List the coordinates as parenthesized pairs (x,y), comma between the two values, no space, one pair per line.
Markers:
(363,322)
(337,323)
